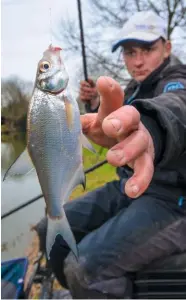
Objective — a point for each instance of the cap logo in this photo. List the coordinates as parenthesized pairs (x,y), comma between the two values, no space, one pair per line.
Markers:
(141,27)
(150,28)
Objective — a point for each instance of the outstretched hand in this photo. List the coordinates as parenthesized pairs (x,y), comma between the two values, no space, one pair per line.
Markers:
(119,128)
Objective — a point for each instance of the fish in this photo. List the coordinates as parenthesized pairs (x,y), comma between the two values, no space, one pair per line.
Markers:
(54,144)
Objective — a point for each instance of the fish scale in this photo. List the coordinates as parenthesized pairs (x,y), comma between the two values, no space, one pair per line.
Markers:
(55,161)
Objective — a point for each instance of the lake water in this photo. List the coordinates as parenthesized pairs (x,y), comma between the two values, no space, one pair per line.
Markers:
(15,229)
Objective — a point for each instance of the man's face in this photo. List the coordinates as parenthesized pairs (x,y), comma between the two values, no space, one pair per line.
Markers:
(142,59)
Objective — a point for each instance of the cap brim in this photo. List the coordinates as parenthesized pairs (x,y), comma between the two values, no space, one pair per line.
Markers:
(144,38)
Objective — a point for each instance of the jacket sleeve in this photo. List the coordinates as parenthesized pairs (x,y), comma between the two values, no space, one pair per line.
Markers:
(165,118)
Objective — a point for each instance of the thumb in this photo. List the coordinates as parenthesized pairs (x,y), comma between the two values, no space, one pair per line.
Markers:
(111,96)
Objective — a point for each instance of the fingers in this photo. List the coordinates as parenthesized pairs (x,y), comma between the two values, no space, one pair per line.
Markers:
(89,83)
(86,95)
(87,121)
(129,149)
(135,151)
(111,96)
(93,129)
(143,172)
(87,90)
(121,122)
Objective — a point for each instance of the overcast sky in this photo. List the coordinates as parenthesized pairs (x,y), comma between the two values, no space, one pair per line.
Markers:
(26,33)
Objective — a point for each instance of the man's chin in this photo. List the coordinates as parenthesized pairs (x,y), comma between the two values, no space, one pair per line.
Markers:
(140,78)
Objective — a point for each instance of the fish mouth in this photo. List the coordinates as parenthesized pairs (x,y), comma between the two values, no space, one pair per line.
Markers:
(53,92)
(56,92)
(45,86)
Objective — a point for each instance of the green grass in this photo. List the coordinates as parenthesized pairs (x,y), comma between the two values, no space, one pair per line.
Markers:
(97,177)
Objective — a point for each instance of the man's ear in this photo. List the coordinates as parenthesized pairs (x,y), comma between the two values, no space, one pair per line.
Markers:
(168,48)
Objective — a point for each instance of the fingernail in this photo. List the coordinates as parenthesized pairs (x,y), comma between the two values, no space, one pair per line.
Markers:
(115,123)
(109,81)
(135,189)
(119,153)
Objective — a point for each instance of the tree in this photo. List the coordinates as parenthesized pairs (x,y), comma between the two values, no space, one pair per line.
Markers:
(15,95)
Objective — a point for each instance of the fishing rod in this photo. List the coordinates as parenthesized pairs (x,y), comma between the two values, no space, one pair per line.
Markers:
(82,40)
(83,47)
(41,195)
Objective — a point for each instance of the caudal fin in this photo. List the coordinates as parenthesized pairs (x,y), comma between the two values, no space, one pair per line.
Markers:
(62,227)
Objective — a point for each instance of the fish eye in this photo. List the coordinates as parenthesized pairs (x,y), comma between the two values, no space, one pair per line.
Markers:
(44,66)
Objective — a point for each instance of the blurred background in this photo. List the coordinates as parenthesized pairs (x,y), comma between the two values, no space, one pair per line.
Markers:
(28,27)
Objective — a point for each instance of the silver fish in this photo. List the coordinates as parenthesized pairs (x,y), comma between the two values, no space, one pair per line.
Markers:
(54,144)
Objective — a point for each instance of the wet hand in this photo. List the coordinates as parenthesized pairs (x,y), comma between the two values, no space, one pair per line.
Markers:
(119,128)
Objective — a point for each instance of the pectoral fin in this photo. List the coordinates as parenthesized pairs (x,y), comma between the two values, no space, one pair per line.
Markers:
(86,144)
(21,166)
(69,112)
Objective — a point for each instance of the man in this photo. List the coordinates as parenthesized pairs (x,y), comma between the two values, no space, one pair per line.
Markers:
(126,224)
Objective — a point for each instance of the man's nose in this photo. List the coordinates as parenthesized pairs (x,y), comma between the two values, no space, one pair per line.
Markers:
(139,59)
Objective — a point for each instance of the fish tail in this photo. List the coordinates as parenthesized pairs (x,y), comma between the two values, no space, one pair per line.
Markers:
(61,227)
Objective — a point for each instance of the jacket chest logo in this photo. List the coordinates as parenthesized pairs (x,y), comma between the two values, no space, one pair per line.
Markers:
(172,86)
